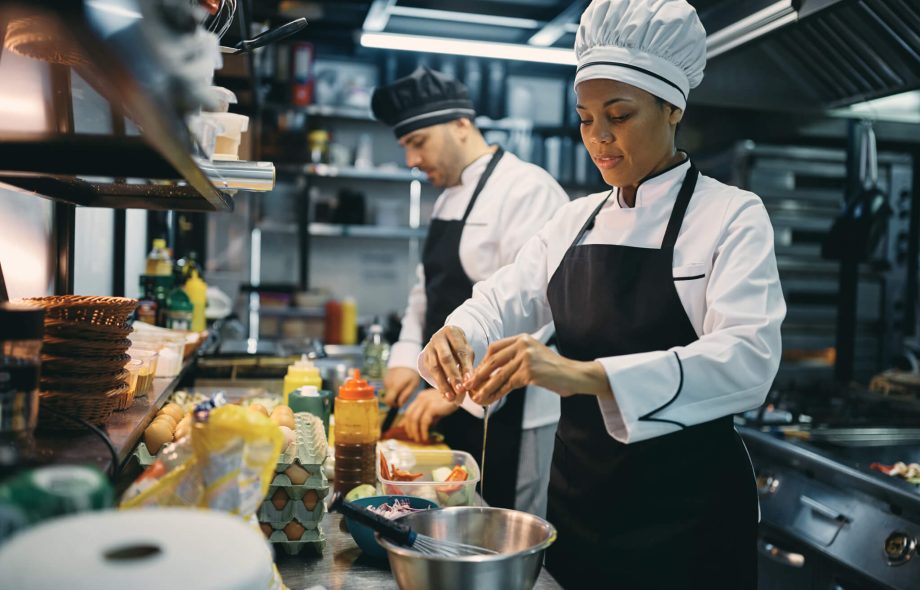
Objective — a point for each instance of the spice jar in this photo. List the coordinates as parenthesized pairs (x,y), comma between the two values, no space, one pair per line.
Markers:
(21,330)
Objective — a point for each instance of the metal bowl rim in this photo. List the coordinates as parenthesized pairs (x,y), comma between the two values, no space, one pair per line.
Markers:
(406,552)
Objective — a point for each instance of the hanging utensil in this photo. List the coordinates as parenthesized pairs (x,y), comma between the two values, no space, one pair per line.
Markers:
(863,221)
(266,38)
(401,534)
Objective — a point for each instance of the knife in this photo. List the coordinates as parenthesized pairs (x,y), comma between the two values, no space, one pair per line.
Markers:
(390,418)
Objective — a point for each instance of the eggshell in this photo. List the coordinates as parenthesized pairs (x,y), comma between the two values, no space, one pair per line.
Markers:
(288,435)
(173,410)
(267,529)
(282,419)
(297,474)
(310,499)
(258,408)
(283,408)
(279,499)
(294,530)
(156,435)
(166,418)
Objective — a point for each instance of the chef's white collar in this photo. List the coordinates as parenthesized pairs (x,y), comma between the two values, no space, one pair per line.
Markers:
(471,174)
(657,186)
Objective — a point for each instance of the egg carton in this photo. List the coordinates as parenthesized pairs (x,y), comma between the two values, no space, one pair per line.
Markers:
(310,447)
(294,509)
(298,492)
(315,476)
(311,539)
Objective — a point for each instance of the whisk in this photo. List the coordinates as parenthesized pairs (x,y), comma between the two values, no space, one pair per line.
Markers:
(403,535)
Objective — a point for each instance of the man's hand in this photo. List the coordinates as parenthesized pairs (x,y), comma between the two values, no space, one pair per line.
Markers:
(399,383)
(427,408)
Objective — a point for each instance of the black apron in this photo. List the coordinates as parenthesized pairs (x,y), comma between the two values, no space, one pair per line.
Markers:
(676,511)
(446,288)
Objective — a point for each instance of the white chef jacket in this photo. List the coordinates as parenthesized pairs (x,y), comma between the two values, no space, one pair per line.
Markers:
(730,291)
(515,203)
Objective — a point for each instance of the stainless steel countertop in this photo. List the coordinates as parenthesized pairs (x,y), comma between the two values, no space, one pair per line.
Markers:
(343,566)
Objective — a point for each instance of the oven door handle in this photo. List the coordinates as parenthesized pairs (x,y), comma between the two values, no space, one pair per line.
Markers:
(823,509)
(771,551)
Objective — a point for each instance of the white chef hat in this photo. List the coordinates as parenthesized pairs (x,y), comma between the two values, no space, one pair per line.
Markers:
(656,45)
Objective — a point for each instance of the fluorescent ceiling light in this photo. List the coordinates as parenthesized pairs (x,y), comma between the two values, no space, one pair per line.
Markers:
(903,108)
(512,51)
(749,28)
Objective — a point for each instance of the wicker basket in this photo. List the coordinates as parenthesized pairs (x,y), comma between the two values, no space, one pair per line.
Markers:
(95,409)
(84,348)
(84,330)
(43,37)
(100,311)
(83,366)
(82,383)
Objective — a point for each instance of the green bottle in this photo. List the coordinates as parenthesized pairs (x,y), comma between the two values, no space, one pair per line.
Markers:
(179,310)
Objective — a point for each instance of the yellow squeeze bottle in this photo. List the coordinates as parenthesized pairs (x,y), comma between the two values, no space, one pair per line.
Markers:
(197,291)
(349,321)
(300,374)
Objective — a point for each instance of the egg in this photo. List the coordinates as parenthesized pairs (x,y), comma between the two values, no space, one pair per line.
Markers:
(156,435)
(258,408)
(167,419)
(267,529)
(283,408)
(294,530)
(282,419)
(279,499)
(297,474)
(288,436)
(173,410)
(183,429)
(310,499)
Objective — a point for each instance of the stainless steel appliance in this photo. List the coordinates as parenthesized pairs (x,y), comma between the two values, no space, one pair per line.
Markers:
(827,521)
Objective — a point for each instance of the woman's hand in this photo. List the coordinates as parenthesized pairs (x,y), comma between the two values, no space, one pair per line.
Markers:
(515,362)
(399,383)
(449,359)
(427,408)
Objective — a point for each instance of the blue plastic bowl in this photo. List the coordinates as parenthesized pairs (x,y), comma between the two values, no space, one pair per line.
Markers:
(364,536)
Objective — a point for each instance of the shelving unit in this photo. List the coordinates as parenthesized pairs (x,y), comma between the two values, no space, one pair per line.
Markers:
(367,231)
(352,173)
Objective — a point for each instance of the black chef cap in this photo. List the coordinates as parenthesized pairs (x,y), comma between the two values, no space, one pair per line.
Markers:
(421,99)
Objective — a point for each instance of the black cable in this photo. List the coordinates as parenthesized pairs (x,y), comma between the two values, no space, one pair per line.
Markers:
(115,467)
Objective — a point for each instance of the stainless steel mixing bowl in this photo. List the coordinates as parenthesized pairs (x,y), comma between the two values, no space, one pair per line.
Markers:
(520,539)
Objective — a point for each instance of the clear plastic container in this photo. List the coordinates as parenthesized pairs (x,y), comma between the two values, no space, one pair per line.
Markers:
(147,370)
(455,493)
(133,367)
(171,351)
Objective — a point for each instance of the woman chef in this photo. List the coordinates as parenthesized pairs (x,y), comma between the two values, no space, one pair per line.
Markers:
(667,307)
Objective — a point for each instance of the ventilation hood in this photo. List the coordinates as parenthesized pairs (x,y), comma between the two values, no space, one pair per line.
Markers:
(809,54)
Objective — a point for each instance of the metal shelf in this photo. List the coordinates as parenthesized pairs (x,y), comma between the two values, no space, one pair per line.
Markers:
(366,231)
(293,312)
(352,173)
(328,111)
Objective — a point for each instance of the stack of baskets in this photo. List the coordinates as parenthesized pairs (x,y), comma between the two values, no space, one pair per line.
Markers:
(83,359)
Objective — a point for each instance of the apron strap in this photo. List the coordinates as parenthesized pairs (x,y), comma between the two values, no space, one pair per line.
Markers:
(589,223)
(490,168)
(680,208)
